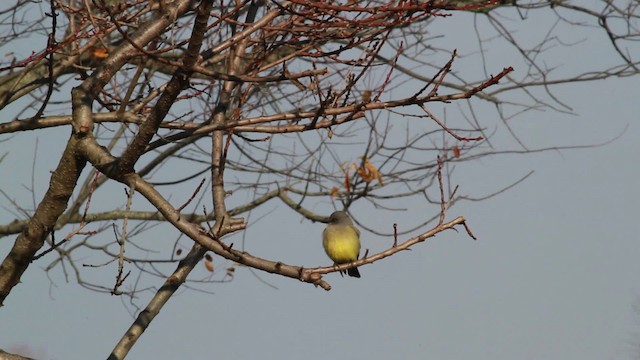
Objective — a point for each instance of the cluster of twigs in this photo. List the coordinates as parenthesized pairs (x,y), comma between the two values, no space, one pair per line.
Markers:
(252,95)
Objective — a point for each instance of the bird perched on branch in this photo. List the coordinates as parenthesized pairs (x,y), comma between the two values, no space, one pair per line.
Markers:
(341,241)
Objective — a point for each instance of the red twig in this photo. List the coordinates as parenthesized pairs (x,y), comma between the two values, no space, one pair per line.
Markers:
(445,128)
(393,66)
(492,81)
(192,196)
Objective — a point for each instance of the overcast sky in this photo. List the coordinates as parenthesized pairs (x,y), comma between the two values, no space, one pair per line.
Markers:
(553,274)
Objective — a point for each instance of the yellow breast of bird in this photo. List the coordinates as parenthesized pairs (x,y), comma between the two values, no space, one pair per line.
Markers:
(341,243)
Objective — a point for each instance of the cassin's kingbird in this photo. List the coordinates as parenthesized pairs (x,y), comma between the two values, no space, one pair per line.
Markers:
(341,241)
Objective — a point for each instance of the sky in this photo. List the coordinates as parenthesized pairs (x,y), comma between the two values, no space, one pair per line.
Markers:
(553,274)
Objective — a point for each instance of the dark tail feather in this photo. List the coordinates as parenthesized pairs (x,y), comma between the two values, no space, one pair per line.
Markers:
(353,272)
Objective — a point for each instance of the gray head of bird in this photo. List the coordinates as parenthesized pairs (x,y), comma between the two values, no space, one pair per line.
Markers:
(339,217)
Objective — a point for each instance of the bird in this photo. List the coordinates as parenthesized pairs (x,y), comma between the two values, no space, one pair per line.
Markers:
(341,241)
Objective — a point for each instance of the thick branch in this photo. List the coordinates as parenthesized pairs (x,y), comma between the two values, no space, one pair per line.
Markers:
(178,82)
(163,295)
(63,181)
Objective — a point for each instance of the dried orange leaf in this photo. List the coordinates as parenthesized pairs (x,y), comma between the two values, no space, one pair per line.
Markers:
(208,265)
(101,53)
(365,175)
(368,172)
(456,151)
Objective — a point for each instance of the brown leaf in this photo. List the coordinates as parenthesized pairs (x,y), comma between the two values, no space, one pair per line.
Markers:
(456,151)
(368,172)
(101,53)
(208,264)
(347,183)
